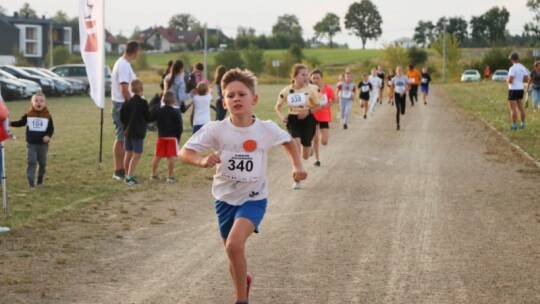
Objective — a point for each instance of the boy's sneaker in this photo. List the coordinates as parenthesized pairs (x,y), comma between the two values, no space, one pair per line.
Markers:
(397,128)
(345,127)
(154,178)
(297,185)
(119,175)
(40,180)
(522,126)
(365,116)
(130,180)
(317,164)
(171,179)
(513,128)
(31,184)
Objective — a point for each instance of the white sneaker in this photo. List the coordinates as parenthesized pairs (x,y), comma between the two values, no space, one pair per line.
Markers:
(297,185)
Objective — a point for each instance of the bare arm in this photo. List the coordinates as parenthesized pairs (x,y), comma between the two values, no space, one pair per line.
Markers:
(191,157)
(280,114)
(298,172)
(125,91)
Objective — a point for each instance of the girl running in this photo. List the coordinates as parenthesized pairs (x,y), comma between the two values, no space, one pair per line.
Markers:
(401,86)
(302,102)
(346,91)
(390,87)
(365,87)
(323,117)
(376,85)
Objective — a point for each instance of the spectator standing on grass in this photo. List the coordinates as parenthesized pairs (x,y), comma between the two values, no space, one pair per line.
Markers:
(487,72)
(238,147)
(134,116)
(39,130)
(167,119)
(122,75)
(221,112)
(413,76)
(167,71)
(175,83)
(201,106)
(424,84)
(533,85)
(517,76)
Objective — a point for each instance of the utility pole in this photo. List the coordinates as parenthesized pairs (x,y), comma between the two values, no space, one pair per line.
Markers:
(205,50)
(444,53)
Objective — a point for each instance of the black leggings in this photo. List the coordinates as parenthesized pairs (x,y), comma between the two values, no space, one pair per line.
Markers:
(401,101)
(413,93)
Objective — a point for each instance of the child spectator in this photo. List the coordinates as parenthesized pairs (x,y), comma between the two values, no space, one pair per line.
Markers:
(239,148)
(134,115)
(167,118)
(201,106)
(39,130)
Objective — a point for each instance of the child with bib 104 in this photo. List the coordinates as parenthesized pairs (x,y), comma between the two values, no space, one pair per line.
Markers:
(239,146)
(39,130)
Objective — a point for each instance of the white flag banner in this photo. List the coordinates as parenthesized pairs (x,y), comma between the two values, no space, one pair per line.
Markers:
(92,45)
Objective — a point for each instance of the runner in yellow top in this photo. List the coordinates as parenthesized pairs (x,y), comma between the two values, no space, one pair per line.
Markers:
(414,77)
(302,101)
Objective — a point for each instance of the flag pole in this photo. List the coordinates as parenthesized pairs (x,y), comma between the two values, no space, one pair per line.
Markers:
(102,46)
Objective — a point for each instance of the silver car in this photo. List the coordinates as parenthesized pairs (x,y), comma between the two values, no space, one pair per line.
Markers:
(500,75)
(78,71)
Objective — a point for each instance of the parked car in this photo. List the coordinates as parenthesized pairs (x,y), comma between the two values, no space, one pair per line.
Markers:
(78,71)
(30,87)
(470,75)
(47,85)
(77,86)
(61,87)
(500,75)
(11,89)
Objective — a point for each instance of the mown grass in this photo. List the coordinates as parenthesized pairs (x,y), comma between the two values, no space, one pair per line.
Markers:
(488,101)
(73,179)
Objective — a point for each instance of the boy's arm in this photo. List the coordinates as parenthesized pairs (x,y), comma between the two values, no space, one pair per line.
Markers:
(298,173)
(191,157)
(19,123)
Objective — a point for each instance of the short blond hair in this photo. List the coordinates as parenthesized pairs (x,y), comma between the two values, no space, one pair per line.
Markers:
(201,88)
(136,86)
(244,76)
(168,98)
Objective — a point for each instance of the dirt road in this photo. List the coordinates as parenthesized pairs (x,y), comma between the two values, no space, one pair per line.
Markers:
(440,212)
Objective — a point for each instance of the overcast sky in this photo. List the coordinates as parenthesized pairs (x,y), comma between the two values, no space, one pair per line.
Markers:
(399,17)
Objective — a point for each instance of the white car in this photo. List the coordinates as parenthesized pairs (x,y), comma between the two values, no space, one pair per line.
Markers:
(470,75)
(500,75)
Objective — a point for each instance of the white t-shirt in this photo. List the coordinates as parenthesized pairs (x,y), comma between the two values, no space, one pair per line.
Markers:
(518,72)
(121,73)
(376,82)
(400,83)
(201,110)
(241,175)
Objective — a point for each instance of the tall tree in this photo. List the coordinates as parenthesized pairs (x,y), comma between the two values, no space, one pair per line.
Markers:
(60,17)
(288,25)
(328,27)
(533,28)
(184,22)
(456,26)
(363,20)
(26,10)
(478,30)
(424,32)
(491,25)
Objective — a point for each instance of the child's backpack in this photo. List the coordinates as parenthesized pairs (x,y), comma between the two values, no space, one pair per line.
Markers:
(153,105)
(191,83)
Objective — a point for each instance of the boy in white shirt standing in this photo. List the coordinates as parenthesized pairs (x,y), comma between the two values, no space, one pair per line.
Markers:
(238,146)
(517,77)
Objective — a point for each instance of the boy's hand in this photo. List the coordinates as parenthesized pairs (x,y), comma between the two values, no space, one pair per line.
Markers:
(46,139)
(211,160)
(299,174)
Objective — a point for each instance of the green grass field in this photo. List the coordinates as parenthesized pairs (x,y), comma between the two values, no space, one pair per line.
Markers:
(73,179)
(488,101)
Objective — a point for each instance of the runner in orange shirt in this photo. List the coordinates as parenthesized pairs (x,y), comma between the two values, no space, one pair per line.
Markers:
(413,76)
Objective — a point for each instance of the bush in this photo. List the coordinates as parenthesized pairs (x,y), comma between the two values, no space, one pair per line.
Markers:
(20,60)
(141,62)
(61,55)
(417,56)
(253,58)
(394,56)
(230,59)
(496,59)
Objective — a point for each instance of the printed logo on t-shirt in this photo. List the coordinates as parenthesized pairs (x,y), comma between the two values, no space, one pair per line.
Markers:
(324,100)
(38,124)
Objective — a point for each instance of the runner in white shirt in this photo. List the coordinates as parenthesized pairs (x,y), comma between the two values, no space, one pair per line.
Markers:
(517,77)
(239,146)
(376,84)
(122,75)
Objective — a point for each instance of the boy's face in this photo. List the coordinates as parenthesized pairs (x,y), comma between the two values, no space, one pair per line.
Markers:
(348,77)
(238,99)
(38,103)
(366,77)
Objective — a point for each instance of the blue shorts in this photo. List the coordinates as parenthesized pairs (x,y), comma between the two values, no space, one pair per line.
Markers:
(133,145)
(425,89)
(227,214)
(118,126)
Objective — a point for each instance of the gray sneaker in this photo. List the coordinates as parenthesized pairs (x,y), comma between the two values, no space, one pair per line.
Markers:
(171,179)
(154,178)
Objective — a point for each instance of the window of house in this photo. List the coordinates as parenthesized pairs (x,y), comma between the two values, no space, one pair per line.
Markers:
(67,38)
(30,42)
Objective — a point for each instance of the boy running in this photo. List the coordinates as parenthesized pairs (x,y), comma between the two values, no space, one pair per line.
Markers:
(365,88)
(424,84)
(414,80)
(376,85)
(239,146)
